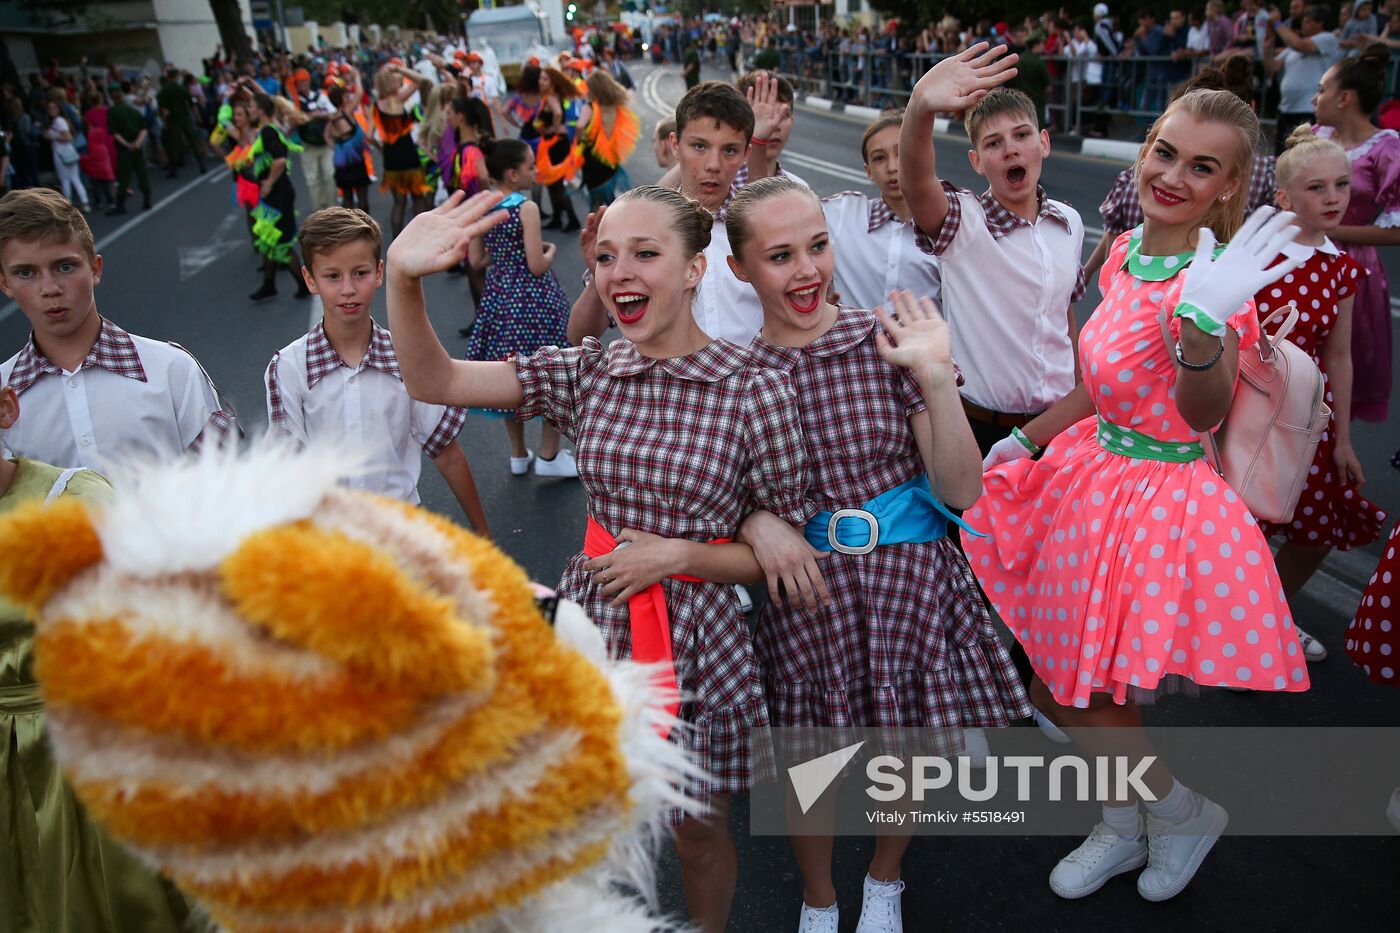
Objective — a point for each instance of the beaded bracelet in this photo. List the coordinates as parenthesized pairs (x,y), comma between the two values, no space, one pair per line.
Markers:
(1199,367)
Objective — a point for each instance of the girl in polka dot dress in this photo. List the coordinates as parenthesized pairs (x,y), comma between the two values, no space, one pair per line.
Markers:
(1315,182)
(1120,559)
(1373,638)
(523,307)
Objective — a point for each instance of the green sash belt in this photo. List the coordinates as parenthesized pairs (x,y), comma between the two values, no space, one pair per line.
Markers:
(1129,443)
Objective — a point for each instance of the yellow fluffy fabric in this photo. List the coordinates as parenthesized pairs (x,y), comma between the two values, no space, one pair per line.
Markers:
(315,643)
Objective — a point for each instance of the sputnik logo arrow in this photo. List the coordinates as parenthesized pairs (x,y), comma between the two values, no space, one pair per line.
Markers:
(811,778)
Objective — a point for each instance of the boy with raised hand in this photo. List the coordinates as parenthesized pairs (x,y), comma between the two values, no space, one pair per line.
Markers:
(1009,256)
(769,144)
(714,125)
(342,379)
(92,392)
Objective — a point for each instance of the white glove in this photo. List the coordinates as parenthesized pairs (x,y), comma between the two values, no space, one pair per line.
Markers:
(1007,449)
(1216,288)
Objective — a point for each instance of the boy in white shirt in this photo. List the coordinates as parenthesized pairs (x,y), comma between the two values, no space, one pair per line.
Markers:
(1009,257)
(93,394)
(342,379)
(879,251)
(714,124)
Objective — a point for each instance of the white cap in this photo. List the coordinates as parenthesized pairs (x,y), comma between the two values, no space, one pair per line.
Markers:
(1100,10)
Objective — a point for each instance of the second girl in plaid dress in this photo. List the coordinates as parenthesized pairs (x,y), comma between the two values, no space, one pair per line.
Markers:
(902,638)
(677,437)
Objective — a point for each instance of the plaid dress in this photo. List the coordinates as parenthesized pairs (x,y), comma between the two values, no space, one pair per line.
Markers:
(681,448)
(907,640)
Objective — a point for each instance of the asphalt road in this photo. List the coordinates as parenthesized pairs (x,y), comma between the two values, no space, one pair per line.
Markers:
(183,271)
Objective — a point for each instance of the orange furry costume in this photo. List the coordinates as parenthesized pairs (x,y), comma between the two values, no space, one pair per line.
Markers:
(318,709)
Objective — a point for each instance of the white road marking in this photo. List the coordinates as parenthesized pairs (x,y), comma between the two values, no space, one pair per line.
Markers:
(195,259)
(136,221)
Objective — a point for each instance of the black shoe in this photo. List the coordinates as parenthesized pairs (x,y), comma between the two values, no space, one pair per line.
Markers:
(571,226)
(116,211)
(554,224)
(146,205)
(302,291)
(466,331)
(171,175)
(269,290)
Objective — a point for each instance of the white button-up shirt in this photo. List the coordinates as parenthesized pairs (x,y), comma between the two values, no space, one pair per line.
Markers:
(1007,289)
(313,393)
(876,253)
(724,307)
(130,397)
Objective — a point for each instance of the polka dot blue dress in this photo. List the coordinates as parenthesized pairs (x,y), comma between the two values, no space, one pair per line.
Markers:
(520,312)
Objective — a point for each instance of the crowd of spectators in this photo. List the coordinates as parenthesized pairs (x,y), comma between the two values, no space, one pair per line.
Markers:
(1103,62)
(84,125)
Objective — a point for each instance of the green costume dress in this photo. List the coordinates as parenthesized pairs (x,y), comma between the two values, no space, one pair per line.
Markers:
(59,873)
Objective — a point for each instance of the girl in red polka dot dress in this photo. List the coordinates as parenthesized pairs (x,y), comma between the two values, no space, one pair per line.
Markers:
(1315,183)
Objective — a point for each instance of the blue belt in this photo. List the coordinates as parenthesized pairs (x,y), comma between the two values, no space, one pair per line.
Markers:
(907,514)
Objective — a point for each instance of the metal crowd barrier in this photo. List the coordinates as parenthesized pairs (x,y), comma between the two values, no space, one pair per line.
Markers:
(1131,91)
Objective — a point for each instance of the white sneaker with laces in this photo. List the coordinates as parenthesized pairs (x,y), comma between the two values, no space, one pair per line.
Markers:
(1392,812)
(519,466)
(881,909)
(819,919)
(1313,650)
(563,465)
(1051,731)
(1098,858)
(1176,850)
(975,747)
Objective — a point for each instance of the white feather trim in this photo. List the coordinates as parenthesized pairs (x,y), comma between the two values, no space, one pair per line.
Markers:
(189,513)
(590,901)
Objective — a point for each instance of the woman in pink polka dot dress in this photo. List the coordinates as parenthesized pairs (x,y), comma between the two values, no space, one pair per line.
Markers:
(1123,563)
(1315,183)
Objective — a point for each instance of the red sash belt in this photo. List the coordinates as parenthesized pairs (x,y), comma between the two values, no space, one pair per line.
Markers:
(650,622)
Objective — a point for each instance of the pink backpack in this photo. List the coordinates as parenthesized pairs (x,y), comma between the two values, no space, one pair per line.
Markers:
(1265,446)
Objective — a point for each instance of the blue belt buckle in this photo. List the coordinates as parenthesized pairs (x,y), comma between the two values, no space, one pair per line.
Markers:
(864,516)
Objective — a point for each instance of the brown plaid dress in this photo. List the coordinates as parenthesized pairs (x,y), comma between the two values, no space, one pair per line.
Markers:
(907,640)
(681,448)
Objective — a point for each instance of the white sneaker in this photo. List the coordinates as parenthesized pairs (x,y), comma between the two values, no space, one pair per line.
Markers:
(975,747)
(1313,650)
(563,464)
(819,920)
(745,603)
(1175,851)
(881,909)
(1392,812)
(1052,732)
(1100,857)
(519,466)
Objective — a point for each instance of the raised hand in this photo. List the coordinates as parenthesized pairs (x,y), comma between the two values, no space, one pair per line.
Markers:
(1216,287)
(768,111)
(959,81)
(437,240)
(915,337)
(588,237)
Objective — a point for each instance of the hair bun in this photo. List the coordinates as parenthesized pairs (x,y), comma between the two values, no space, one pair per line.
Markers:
(1301,134)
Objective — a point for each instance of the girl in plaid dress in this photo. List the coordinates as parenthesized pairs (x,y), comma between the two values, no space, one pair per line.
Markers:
(900,636)
(677,438)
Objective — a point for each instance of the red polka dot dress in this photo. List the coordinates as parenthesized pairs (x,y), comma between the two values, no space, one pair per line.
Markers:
(1122,562)
(1373,638)
(1330,513)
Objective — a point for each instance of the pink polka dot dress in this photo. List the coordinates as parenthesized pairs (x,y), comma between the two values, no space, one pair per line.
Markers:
(1373,638)
(1120,559)
(1330,513)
